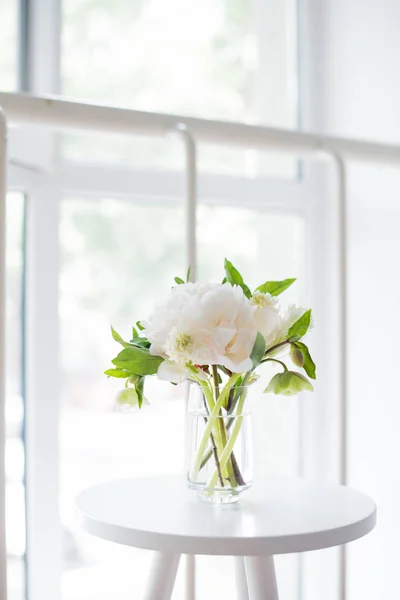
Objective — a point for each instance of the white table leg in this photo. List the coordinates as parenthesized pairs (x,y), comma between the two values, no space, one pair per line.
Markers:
(190,578)
(261,578)
(162,576)
(241,578)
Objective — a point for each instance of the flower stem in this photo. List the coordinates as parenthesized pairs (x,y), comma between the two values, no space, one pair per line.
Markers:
(231,406)
(277,361)
(273,348)
(210,424)
(213,450)
(220,425)
(215,378)
(227,451)
(216,440)
(210,452)
(236,470)
(233,400)
(215,453)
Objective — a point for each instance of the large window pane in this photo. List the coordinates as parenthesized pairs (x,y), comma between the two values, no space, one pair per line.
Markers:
(220,59)
(202,59)
(117,258)
(9,45)
(15,461)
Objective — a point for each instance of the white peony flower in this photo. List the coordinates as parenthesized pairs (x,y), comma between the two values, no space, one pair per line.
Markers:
(204,324)
(172,371)
(266,316)
(292,315)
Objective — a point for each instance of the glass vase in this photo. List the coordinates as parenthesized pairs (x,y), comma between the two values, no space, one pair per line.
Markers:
(219,461)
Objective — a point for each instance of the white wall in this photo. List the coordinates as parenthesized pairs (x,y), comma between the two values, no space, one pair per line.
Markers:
(356,85)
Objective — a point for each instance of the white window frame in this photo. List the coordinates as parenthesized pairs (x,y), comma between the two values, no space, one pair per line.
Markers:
(44,192)
(44,186)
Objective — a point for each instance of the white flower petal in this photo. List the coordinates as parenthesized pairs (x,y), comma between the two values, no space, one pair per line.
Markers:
(200,323)
(245,365)
(172,371)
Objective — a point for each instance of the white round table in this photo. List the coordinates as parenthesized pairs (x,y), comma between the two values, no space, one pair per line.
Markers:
(277,516)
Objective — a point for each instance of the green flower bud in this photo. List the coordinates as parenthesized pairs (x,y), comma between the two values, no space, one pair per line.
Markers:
(127,397)
(297,356)
(288,383)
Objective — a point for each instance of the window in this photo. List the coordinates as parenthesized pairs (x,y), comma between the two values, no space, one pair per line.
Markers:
(106,235)
(218,59)
(109,247)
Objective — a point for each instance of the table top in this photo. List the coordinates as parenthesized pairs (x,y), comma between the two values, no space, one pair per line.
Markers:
(276,516)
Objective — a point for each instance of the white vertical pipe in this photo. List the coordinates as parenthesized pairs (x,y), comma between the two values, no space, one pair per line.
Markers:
(191,260)
(342,243)
(43,527)
(343,342)
(3,167)
(190,197)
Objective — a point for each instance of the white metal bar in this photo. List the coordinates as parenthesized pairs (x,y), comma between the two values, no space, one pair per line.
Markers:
(43,527)
(343,341)
(190,197)
(44,535)
(60,114)
(3,166)
(164,186)
(191,260)
(40,32)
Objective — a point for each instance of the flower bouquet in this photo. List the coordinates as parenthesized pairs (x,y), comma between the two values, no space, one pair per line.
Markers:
(215,336)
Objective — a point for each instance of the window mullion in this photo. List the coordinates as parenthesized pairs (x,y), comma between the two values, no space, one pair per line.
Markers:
(42,395)
(40,25)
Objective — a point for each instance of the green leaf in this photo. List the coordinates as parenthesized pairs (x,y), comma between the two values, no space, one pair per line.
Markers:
(234,278)
(138,361)
(141,342)
(119,373)
(288,383)
(275,287)
(300,327)
(188,274)
(178,280)
(139,326)
(134,332)
(224,280)
(118,338)
(139,385)
(258,351)
(308,364)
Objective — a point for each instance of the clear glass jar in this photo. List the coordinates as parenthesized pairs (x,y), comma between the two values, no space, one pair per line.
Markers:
(219,446)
